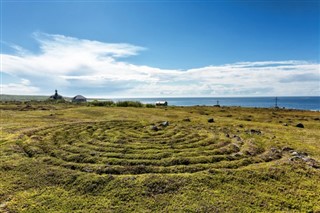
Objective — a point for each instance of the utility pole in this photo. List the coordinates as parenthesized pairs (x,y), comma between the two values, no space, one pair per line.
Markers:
(276,105)
(217,105)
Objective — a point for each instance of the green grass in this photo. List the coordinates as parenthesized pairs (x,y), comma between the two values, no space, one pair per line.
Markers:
(79,158)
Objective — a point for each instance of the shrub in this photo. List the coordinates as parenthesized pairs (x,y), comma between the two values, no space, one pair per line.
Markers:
(129,104)
(150,105)
(101,103)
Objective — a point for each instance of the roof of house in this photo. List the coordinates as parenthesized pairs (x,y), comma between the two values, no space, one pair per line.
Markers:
(77,97)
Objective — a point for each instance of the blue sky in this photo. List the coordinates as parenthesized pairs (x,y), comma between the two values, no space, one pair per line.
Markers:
(160,48)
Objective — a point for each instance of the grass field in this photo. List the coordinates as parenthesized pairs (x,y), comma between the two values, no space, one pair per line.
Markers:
(78,158)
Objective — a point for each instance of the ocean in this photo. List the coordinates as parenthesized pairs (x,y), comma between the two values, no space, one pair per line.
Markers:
(304,103)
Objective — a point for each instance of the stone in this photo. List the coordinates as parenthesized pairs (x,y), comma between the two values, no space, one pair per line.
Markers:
(286,149)
(211,120)
(187,119)
(294,158)
(313,163)
(285,124)
(154,128)
(300,125)
(165,123)
(237,154)
(253,131)
(273,149)
(237,138)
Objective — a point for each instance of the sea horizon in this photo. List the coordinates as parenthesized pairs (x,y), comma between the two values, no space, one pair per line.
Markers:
(288,102)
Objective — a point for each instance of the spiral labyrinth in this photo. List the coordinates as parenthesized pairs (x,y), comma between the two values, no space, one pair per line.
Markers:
(131,147)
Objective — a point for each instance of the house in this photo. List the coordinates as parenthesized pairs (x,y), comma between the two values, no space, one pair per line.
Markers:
(79,99)
(56,96)
(161,103)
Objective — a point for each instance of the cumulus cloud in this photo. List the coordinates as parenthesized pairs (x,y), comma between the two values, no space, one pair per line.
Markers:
(97,68)
(307,77)
(23,87)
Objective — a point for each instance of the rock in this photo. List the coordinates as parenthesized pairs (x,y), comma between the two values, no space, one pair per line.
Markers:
(187,119)
(154,128)
(236,146)
(241,126)
(210,120)
(237,154)
(312,162)
(237,138)
(294,158)
(286,149)
(285,124)
(165,123)
(253,131)
(303,154)
(273,149)
(300,125)
(227,135)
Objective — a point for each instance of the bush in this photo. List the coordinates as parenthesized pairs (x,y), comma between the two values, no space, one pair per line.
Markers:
(129,104)
(101,103)
(150,105)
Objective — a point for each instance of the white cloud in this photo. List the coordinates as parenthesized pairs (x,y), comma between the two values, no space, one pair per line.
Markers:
(98,68)
(21,88)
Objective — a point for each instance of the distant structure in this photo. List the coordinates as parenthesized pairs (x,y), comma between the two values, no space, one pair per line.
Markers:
(276,103)
(217,105)
(56,96)
(161,103)
(79,99)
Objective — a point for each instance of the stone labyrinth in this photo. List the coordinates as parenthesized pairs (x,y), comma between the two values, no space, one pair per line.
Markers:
(130,147)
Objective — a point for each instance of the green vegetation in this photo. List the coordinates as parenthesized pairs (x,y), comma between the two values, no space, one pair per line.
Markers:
(129,104)
(23,98)
(62,157)
(118,104)
(101,103)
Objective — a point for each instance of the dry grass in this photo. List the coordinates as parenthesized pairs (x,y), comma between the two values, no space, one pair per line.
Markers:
(69,158)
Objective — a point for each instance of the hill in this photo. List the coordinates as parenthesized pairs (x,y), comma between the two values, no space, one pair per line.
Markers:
(24,98)
(4,97)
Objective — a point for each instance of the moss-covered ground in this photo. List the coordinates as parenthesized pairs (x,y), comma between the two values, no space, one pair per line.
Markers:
(77,158)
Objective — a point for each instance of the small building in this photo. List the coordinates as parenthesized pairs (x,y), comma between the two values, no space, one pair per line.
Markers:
(79,99)
(56,96)
(161,103)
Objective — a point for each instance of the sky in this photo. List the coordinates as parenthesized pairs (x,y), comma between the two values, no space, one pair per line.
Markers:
(160,48)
